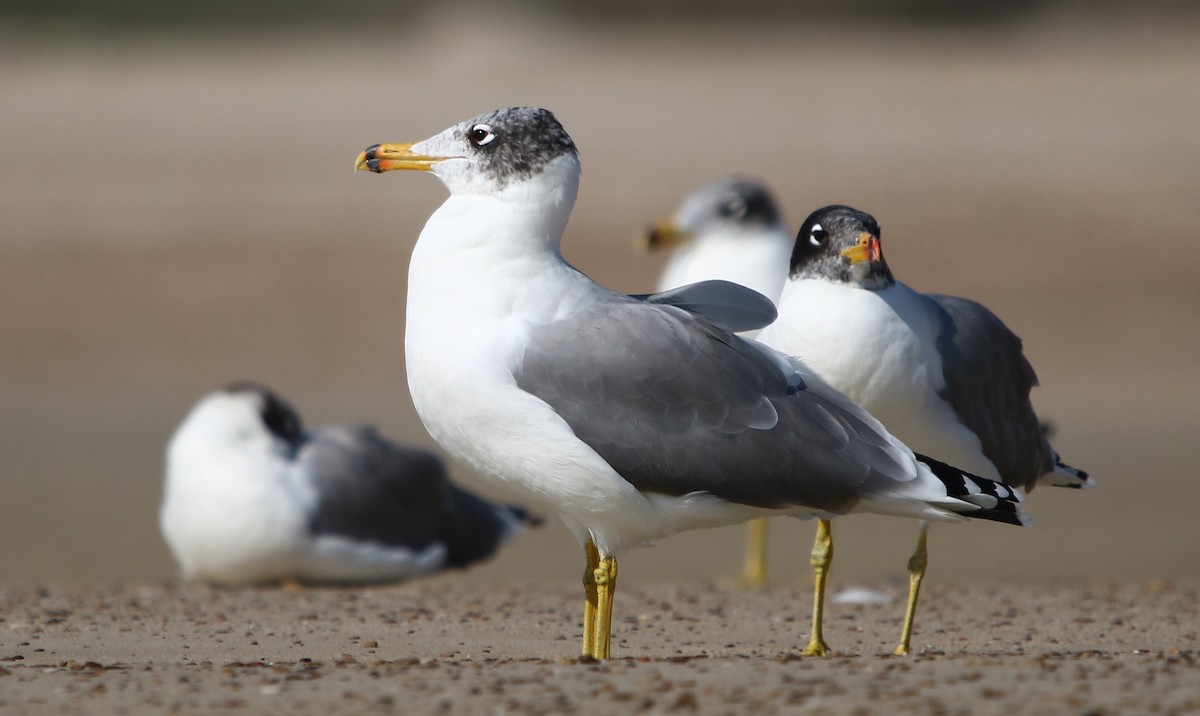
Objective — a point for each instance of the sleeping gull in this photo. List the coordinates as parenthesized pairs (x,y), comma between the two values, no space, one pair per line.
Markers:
(942,373)
(252,497)
(632,418)
(731,230)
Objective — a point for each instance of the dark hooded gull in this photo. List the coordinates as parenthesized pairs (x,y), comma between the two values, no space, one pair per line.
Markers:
(630,418)
(944,374)
(252,497)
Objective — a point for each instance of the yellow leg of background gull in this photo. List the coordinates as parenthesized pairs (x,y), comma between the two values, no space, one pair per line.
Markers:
(606,587)
(589,592)
(916,571)
(822,555)
(755,572)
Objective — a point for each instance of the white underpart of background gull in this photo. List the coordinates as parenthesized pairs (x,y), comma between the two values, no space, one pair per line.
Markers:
(630,419)
(732,230)
(944,374)
(252,497)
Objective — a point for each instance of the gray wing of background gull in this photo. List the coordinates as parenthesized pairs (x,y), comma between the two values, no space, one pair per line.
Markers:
(677,405)
(372,489)
(988,381)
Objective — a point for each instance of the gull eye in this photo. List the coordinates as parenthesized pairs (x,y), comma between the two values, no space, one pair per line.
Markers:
(732,209)
(481,134)
(818,236)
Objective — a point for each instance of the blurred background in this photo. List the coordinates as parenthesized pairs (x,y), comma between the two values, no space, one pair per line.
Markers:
(177,210)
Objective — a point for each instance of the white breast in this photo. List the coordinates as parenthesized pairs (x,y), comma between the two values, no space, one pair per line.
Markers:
(758,261)
(232,517)
(879,348)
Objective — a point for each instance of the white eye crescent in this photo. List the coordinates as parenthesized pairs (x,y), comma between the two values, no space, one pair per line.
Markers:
(481,134)
(818,235)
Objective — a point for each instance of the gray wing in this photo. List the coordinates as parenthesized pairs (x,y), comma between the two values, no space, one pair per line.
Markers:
(677,404)
(988,381)
(730,305)
(373,489)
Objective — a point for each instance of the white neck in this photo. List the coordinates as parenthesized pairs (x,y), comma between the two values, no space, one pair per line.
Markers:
(524,217)
(483,262)
(486,267)
(476,243)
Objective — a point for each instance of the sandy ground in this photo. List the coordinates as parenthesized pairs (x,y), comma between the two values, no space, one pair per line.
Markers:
(177,213)
(435,648)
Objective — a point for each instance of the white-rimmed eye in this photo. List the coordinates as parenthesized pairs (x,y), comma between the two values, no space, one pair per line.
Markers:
(732,209)
(818,236)
(480,135)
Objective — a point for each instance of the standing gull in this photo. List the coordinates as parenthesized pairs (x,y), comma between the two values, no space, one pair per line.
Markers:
(631,418)
(251,497)
(943,373)
(730,230)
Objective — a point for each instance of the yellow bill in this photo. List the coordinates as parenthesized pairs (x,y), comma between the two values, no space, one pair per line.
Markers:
(865,249)
(391,157)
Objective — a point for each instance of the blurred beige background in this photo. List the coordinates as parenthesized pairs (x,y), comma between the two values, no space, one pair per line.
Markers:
(177,209)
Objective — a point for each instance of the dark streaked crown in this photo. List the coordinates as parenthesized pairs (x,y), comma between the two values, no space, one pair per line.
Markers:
(516,143)
(741,202)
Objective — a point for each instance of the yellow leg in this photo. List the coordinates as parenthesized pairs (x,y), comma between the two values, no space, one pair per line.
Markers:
(754,574)
(916,571)
(822,555)
(606,587)
(589,592)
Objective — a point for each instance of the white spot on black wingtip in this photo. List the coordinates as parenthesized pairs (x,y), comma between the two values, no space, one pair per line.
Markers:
(1073,477)
(996,501)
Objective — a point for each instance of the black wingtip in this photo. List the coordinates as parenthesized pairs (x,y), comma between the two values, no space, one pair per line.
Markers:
(997,501)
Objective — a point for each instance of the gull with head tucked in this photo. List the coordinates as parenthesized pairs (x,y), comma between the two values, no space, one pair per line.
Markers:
(252,496)
(631,418)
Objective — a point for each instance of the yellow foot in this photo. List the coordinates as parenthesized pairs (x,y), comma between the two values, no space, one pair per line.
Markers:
(606,587)
(752,580)
(599,585)
(816,648)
